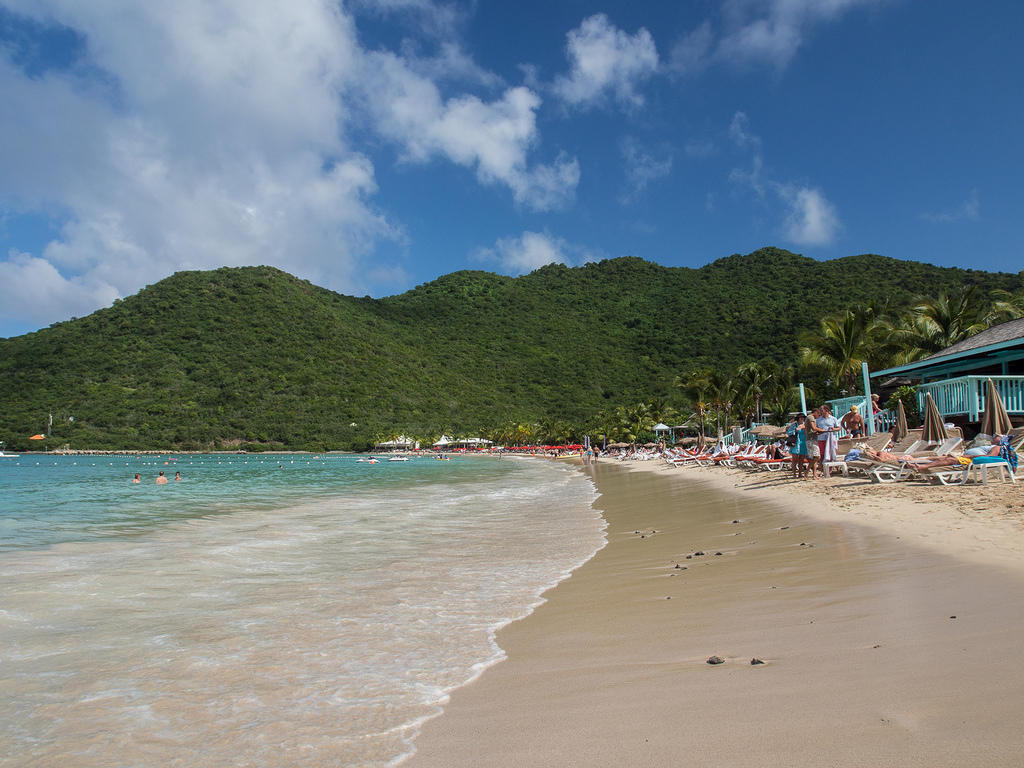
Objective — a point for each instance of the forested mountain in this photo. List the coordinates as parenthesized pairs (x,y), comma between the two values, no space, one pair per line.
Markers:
(253,356)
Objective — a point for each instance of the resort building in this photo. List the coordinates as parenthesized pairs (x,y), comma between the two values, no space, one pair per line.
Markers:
(956,376)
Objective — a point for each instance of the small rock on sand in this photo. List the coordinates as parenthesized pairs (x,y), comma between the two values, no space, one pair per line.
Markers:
(716,660)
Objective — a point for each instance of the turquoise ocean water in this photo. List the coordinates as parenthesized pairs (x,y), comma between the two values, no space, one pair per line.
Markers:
(269,610)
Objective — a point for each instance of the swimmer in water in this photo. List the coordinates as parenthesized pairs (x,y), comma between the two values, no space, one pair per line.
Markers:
(137,478)
(177,476)
(160,479)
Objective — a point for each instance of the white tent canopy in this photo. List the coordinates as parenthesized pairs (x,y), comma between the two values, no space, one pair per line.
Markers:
(399,442)
(469,442)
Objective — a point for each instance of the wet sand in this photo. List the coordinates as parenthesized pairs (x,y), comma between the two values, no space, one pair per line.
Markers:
(878,651)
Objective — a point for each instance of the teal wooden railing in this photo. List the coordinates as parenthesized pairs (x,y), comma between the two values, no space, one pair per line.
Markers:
(965,395)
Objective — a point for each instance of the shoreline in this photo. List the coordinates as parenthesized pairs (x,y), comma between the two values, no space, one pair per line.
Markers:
(888,619)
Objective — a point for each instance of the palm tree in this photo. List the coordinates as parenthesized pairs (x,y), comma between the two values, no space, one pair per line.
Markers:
(723,396)
(1006,305)
(697,385)
(932,325)
(786,402)
(525,433)
(757,383)
(606,424)
(842,343)
(638,421)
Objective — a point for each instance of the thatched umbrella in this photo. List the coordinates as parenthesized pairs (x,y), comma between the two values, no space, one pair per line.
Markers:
(995,421)
(768,430)
(933,430)
(901,427)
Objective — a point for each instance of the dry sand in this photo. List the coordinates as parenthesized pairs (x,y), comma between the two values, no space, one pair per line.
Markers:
(889,620)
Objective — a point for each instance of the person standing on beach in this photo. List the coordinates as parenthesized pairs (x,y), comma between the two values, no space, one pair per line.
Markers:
(853,422)
(828,440)
(798,447)
(811,433)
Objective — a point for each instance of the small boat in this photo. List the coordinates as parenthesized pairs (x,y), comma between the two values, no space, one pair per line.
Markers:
(370,460)
(399,458)
(4,455)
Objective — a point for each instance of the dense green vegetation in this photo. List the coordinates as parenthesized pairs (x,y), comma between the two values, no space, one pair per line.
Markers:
(253,357)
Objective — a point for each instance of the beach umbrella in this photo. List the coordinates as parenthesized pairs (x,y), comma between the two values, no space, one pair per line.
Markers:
(768,430)
(995,421)
(933,429)
(901,423)
(38,437)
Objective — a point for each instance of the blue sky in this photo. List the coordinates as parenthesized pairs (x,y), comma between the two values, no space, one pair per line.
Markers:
(373,145)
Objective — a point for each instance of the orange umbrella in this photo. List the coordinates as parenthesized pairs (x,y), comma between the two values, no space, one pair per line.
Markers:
(38,437)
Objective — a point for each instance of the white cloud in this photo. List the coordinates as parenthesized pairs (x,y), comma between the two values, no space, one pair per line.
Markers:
(491,137)
(740,133)
(742,137)
(532,250)
(449,63)
(812,219)
(643,167)
(757,32)
(808,218)
(604,60)
(436,19)
(33,290)
(191,153)
(218,132)
(968,210)
(690,54)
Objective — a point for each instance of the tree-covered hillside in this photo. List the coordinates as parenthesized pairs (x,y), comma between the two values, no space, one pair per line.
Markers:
(254,356)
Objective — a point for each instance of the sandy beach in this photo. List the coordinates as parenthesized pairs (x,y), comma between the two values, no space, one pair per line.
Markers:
(888,619)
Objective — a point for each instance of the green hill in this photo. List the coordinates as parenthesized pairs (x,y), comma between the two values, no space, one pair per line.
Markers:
(255,356)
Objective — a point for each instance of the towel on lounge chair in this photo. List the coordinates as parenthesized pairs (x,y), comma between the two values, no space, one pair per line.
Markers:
(1007,454)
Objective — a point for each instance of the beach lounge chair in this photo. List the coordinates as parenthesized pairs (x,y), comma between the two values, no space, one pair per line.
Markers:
(948,445)
(979,468)
(749,455)
(879,441)
(952,475)
(886,471)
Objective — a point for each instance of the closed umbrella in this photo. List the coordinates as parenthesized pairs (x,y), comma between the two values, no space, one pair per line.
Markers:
(901,423)
(933,430)
(995,421)
(38,437)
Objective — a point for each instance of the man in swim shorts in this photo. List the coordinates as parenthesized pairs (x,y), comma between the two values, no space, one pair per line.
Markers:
(853,422)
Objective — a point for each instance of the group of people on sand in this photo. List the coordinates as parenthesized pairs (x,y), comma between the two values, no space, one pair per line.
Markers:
(161,479)
(813,438)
